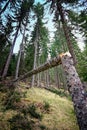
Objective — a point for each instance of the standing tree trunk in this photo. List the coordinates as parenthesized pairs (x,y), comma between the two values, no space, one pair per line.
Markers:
(4,8)
(35,54)
(18,64)
(47,77)
(76,90)
(65,28)
(35,62)
(57,81)
(10,55)
(21,50)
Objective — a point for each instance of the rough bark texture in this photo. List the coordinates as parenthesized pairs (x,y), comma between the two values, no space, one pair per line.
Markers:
(76,90)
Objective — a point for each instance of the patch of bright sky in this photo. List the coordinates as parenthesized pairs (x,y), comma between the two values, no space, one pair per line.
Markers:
(19,39)
(51,29)
(41,1)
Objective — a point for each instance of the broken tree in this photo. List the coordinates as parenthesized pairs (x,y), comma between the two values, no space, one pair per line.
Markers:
(74,85)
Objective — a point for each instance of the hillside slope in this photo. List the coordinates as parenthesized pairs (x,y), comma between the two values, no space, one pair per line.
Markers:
(45,111)
(61,114)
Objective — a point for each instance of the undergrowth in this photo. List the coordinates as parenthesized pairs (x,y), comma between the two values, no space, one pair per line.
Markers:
(32,110)
(59,92)
(39,111)
(46,106)
(19,122)
(12,98)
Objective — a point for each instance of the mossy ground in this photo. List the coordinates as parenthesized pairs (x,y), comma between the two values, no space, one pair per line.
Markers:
(59,116)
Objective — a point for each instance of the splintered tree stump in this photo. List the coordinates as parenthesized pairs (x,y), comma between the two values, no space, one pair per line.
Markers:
(76,90)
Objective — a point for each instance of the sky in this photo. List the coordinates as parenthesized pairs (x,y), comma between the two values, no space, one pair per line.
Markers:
(51,29)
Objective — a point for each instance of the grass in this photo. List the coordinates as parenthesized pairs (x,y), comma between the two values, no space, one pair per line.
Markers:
(57,112)
(61,115)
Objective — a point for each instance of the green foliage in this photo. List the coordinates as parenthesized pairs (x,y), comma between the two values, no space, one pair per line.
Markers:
(1,87)
(59,42)
(43,127)
(46,106)
(32,111)
(29,57)
(59,92)
(19,122)
(82,66)
(12,66)
(12,98)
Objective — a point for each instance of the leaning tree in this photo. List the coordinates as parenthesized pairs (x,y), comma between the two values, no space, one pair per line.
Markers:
(19,17)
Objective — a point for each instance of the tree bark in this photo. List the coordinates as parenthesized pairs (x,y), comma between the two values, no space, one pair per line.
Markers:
(21,50)
(65,28)
(47,75)
(35,62)
(18,64)
(10,55)
(57,81)
(35,55)
(76,90)
(4,8)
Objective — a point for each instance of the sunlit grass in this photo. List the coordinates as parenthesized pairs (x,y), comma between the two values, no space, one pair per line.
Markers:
(61,115)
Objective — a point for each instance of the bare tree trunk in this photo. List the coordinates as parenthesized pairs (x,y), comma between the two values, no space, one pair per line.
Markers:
(10,55)
(18,63)
(21,50)
(57,77)
(4,8)
(38,79)
(35,55)
(47,77)
(35,62)
(65,28)
(76,90)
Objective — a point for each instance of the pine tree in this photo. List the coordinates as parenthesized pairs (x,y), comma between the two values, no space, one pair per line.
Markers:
(19,17)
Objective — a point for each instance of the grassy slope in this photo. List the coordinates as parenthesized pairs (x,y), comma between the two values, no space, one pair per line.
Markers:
(61,115)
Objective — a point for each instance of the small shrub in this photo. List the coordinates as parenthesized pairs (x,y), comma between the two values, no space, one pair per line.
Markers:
(42,127)
(11,99)
(46,106)
(58,92)
(32,111)
(3,88)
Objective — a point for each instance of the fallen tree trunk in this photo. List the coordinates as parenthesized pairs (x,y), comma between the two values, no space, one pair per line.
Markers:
(74,85)
(49,64)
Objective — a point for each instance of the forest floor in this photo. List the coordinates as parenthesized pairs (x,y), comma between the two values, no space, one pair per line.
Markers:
(36,109)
